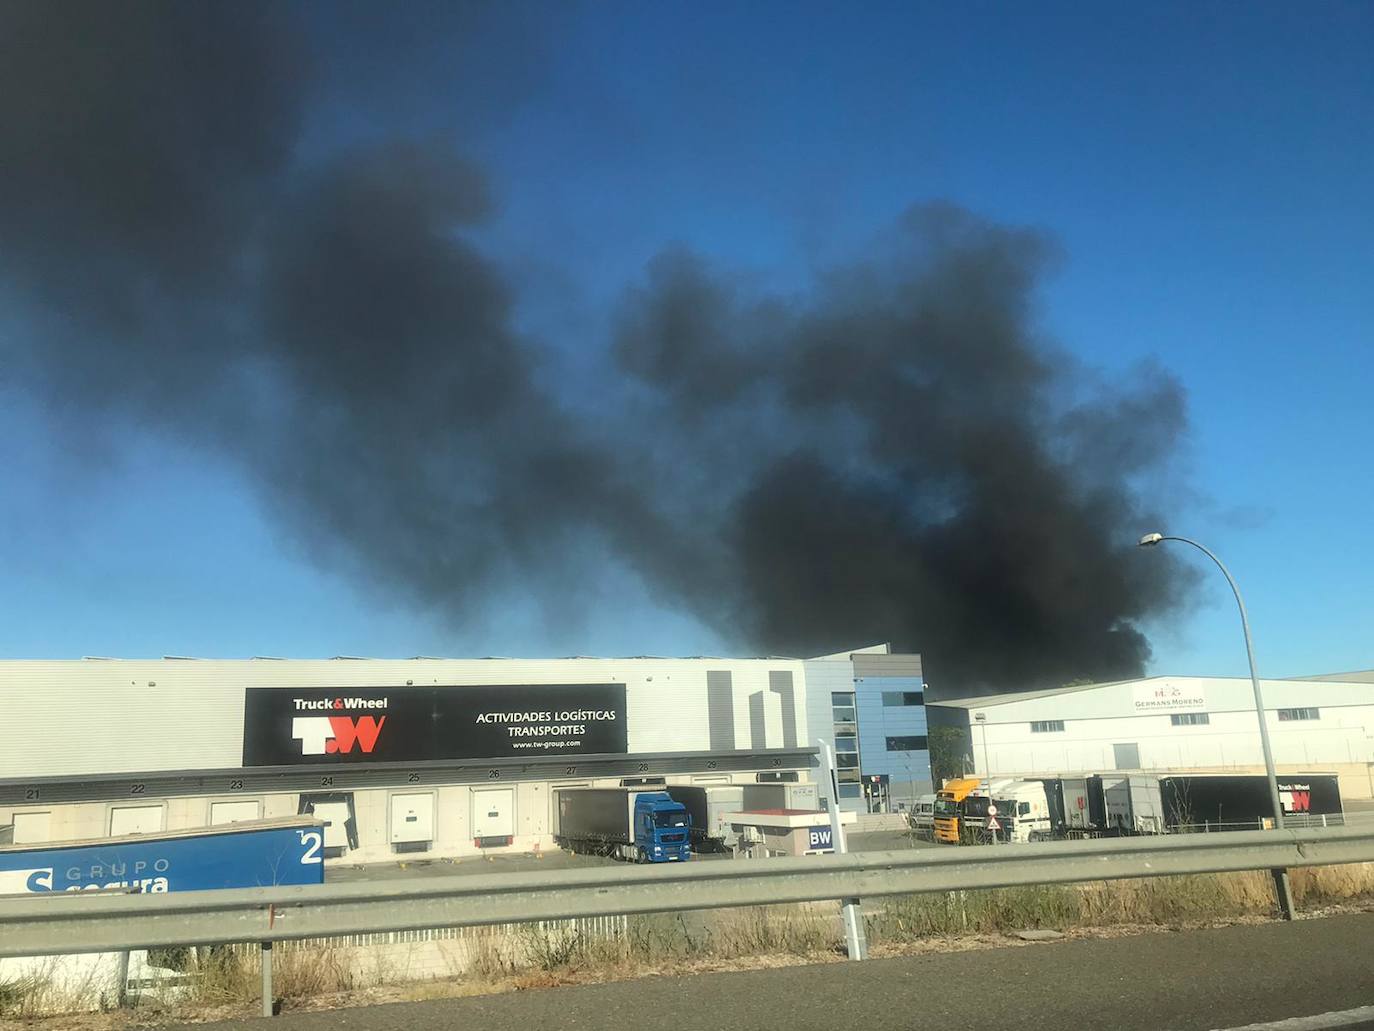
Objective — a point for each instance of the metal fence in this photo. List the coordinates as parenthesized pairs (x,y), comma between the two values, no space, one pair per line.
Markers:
(1294,821)
(65,923)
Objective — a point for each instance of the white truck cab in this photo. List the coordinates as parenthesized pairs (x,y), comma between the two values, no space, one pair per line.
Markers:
(921,816)
(1023,811)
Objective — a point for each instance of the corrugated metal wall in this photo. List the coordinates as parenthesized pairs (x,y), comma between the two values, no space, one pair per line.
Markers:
(868,665)
(115,716)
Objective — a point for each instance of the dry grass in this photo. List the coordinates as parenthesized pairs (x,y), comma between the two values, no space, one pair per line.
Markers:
(46,988)
(231,975)
(1148,902)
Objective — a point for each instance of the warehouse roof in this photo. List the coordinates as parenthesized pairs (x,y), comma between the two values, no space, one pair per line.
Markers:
(981,701)
(1358,676)
(869,649)
(1014,697)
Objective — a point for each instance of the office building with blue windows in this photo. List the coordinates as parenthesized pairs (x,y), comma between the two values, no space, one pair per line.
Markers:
(876,722)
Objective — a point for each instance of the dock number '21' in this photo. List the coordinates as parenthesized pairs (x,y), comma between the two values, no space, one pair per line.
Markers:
(313,842)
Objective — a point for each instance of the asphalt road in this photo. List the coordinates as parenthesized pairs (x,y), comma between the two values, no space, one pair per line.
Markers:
(1183,981)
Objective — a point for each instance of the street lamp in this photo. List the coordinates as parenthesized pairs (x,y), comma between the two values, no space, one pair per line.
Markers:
(1280,876)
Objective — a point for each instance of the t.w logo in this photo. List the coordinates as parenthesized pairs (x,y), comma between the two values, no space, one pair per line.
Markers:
(1296,801)
(328,735)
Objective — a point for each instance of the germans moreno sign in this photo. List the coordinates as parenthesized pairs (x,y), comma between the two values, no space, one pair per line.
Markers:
(1168,697)
(294,726)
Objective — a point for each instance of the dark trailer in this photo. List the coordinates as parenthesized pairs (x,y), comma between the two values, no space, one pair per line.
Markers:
(1241,801)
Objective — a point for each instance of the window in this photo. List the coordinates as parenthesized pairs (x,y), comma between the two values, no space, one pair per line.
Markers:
(915,743)
(842,706)
(1190,719)
(776,777)
(847,760)
(841,697)
(847,776)
(851,791)
(846,743)
(1047,727)
(842,716)
(1286,715)
(892,699)
(1022,808)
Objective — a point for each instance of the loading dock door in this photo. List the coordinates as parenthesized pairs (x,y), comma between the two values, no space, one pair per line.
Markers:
(334,815)
(235,811)
(135,819)
(32,828)
(1127,756)
(493,813)
(412,817)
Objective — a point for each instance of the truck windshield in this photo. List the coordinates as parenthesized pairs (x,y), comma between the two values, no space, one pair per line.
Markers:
(670,819)
(946,807)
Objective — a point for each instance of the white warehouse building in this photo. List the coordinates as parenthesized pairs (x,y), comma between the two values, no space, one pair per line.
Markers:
(1176,724)
(426,757)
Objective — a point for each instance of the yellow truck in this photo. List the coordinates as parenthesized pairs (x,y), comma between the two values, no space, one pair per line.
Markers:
(949,807)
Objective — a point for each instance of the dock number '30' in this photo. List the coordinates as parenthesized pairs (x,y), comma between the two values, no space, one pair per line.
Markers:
(313,842)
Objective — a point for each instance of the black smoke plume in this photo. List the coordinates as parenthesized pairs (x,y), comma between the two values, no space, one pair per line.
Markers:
(895,454)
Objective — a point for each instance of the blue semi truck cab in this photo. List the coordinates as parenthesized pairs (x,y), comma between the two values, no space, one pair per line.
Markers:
(631,823)
(663,829)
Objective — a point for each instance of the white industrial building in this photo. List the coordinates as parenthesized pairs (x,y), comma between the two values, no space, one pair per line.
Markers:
(1178,724)
(432,757)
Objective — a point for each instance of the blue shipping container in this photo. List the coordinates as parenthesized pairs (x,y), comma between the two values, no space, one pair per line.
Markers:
(237,855)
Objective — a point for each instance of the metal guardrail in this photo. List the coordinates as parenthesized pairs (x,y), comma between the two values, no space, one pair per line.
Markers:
(68,923)
(76,922)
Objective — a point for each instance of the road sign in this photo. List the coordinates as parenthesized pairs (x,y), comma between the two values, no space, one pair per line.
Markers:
(820,839)
(993,825)
(992,810)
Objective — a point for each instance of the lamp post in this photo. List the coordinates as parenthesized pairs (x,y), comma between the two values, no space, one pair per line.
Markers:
(1280,876)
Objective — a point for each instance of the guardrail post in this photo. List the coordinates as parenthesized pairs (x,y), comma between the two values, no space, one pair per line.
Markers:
(855,940)
(267,979)
(1284,891)
(122,980)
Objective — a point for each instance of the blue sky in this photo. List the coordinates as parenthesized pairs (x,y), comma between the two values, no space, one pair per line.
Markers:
(1208,171)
